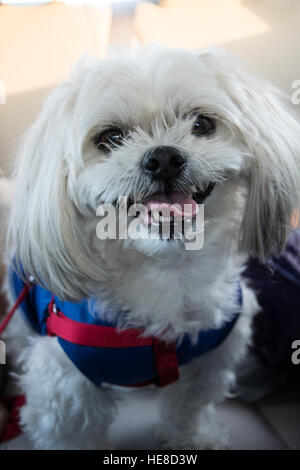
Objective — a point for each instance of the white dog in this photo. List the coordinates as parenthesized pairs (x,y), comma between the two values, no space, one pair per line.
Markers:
(165,126)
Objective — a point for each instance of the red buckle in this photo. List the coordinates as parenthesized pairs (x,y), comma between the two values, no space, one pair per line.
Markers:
(166,362)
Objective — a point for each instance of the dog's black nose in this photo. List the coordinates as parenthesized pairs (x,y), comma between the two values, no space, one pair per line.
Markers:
(164,163)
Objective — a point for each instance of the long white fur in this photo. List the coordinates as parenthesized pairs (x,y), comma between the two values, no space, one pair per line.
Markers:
(61,177)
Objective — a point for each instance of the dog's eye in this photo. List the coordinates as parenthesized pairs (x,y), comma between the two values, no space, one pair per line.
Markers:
(109,138)
(203,126)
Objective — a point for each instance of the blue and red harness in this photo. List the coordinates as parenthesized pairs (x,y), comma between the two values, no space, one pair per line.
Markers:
(101,351)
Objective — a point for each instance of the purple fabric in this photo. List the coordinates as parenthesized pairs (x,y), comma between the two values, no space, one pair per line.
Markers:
(268,366)
(277,285)
(278,290)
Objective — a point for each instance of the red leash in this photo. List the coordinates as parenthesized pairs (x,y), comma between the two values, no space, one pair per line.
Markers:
(13,403)
(24,292)
(12,428)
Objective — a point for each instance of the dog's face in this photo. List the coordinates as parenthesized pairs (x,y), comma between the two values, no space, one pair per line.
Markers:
(165,127)
(156,130)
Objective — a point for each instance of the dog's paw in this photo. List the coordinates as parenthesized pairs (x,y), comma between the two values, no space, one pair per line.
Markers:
(215,438)
(203,439)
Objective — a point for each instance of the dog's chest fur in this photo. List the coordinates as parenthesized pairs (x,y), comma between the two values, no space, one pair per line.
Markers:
(170,299)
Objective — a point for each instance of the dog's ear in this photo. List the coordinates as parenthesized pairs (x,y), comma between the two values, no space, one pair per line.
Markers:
(270,128)
(43,234)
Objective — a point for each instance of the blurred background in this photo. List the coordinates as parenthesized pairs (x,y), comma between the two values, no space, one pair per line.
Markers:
(40,41)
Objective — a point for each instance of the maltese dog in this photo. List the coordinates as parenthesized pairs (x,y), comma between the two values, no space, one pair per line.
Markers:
(165,138)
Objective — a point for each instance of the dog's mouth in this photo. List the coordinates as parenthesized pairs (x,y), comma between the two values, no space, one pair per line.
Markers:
(169,208)
(173,207)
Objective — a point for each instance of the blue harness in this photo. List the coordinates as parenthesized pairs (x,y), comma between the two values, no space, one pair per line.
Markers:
(125,358)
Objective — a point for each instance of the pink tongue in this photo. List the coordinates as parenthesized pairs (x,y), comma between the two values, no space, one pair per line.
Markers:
(176,202)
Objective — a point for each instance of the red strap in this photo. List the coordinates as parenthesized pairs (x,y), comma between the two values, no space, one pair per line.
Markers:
(107,337)
(21,297)
(166,362)
(12,429)
(92,335)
